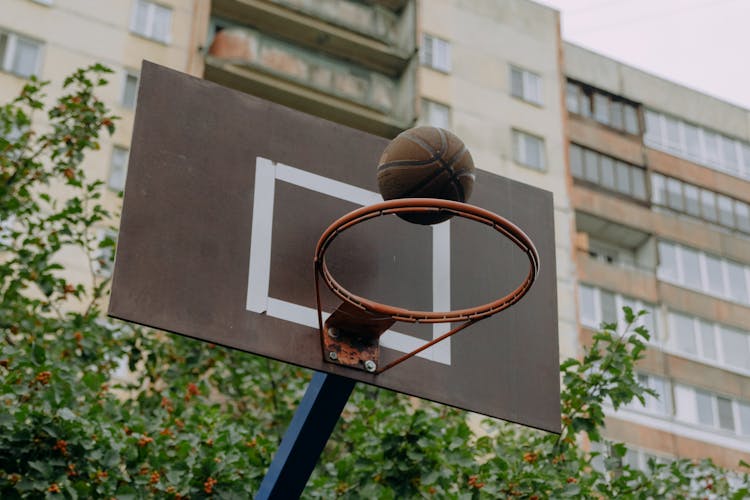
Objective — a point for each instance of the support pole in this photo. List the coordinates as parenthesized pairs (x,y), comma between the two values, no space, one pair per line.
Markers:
(306,436)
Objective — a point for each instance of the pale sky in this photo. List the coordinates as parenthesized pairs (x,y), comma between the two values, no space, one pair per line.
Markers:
(702,44)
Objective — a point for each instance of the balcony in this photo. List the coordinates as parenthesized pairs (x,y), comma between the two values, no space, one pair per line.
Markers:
(372,35)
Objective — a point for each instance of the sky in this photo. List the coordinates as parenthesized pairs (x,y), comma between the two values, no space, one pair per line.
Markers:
(702,44)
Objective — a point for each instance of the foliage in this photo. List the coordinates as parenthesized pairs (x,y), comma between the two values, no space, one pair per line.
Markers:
(93,407)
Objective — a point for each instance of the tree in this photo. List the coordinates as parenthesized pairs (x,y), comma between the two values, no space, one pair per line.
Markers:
(193,420)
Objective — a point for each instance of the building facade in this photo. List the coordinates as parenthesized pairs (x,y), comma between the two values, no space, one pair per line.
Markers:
(651,181)
(661,194)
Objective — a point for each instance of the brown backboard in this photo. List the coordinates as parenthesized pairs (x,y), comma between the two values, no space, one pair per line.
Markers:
(225,200)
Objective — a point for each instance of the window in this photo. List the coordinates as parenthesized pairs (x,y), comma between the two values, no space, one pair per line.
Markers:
(698,406)
(152,20)
(436,114)
(435,53)
(600,306)
(605,171)
(661,404)
(572,101)
(697,144)
(720,345)
(692,200)
(525,85)
(129,90)
(104,252)
(528,150)
(606,109)
(19,55)
(684,266)
(118,168)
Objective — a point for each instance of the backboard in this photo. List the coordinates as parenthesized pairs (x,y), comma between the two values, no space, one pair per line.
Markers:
(225,200)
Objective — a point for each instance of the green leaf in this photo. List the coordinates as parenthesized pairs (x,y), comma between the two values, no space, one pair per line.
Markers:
(66,414)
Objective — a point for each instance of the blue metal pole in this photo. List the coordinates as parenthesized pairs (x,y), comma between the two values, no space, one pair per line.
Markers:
(306,436)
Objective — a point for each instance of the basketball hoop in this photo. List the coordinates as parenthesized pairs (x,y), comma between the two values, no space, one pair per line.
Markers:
(350,335)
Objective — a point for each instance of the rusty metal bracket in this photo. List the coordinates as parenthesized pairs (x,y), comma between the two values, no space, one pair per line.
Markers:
(351,337)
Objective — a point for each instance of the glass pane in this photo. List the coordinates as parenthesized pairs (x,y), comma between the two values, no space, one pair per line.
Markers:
(585,100)
(648,321)
(704,404)
(609,307)
(118,168)
(130,90)
(533,87)
(576,161)
(735,347)
(737,282)
(729,155)
(571,97)
(674,193)
(708,342)
(658,189)
(622,172)
(162,23)
(683,333)
(608,172)
(591,171)
(631,120)
(616,118)
(3,48)
(708,205)
(726,217)
(442,54)
(140,20)
(691,271)
(588,306)
(711,143)
(667,261)
(534,152)
(673,133)
(601,108)
(692,200)
(745,418)
(639,182)
(425,51)
(745,160)
(653,127)
(742,212)
(715,275)
(726,414)
(658,404)
(25,57)
(516,83)
(692,140)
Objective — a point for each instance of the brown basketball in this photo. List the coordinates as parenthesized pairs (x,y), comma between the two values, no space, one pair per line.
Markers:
(426,162)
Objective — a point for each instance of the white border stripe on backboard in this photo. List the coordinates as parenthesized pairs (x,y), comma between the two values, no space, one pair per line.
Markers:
(260,243)
(324,185)
(441,286)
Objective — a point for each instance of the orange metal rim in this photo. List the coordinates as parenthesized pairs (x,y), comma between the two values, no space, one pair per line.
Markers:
(425,205)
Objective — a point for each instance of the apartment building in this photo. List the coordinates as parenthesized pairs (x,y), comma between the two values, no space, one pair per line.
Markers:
(52,38)
(661,195)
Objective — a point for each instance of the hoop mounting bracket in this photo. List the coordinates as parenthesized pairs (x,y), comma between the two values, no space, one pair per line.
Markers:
(351,335)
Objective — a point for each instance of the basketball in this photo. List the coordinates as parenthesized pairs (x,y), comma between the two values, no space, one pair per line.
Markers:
(426,162)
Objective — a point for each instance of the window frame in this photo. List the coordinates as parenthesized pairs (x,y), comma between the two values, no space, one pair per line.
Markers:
(435,53)
(427,105)
(530,81)
(519,138)
(7,58)
(117,149)
(148,31)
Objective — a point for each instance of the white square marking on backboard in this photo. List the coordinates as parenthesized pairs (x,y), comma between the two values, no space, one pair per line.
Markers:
(267,173)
